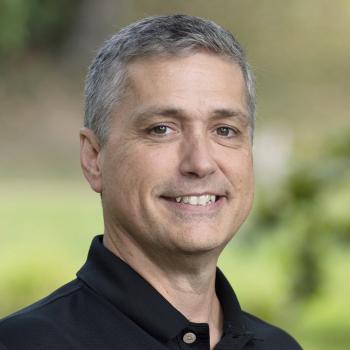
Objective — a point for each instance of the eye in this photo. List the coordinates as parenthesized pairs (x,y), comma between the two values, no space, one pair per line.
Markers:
(226,131)
(160,130)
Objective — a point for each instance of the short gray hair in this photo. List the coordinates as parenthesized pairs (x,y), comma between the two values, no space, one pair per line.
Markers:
(165,36)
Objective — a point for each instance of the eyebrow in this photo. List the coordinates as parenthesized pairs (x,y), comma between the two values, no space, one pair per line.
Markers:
(180,113)
(230,112)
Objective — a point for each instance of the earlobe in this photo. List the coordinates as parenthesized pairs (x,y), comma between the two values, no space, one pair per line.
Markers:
(90,158)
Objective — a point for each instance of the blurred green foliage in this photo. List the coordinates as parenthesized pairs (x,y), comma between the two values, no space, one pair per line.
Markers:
(311,208)
(38,24)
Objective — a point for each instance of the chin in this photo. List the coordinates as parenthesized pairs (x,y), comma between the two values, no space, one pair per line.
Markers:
(195,242)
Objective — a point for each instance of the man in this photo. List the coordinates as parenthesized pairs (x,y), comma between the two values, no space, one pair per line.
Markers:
(167,143)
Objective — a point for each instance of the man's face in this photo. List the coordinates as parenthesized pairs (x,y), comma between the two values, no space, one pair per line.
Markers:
(177,167)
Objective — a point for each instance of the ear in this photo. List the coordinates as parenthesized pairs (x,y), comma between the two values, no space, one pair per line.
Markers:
(90,154)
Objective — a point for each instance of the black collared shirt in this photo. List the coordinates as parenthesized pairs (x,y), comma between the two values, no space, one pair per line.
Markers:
(110,306)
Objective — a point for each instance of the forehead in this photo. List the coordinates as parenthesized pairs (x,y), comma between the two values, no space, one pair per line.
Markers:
(197,84)
(191,70)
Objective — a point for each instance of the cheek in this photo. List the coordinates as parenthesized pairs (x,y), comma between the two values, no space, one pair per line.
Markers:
(238,168)
(138,168)
(157,167)
(246,179)
(247,183)
(120,165)
(247,174)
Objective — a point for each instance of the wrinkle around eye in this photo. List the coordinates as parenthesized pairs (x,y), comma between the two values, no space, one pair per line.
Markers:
(236,141)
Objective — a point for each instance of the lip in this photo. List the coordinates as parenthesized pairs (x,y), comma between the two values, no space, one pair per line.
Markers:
(214,193)
(199,194)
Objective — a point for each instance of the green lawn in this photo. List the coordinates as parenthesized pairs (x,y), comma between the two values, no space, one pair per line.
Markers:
(46,228)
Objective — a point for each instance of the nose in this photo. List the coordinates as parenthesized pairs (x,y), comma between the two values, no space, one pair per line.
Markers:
(196,157)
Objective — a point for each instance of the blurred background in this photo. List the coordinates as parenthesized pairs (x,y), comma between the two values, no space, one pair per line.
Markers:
(290,262)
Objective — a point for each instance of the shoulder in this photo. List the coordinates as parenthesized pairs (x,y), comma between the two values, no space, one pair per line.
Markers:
(272,336)
(36,321)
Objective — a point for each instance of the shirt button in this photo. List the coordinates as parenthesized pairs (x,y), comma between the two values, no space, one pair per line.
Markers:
(189,338)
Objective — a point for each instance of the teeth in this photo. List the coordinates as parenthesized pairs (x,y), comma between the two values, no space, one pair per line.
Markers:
(193,200)
(203,200)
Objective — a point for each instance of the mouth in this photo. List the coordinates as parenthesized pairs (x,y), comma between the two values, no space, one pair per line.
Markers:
(204,200)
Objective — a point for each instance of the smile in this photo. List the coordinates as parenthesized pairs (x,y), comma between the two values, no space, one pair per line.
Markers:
(195,200)
(203,200)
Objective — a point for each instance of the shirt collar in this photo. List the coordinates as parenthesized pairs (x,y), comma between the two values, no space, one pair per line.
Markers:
(113,279)
(233,315)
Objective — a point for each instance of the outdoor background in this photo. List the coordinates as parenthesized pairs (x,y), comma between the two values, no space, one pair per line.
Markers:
(290,262)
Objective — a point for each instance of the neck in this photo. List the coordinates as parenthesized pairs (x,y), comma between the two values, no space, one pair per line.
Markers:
(187,282)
